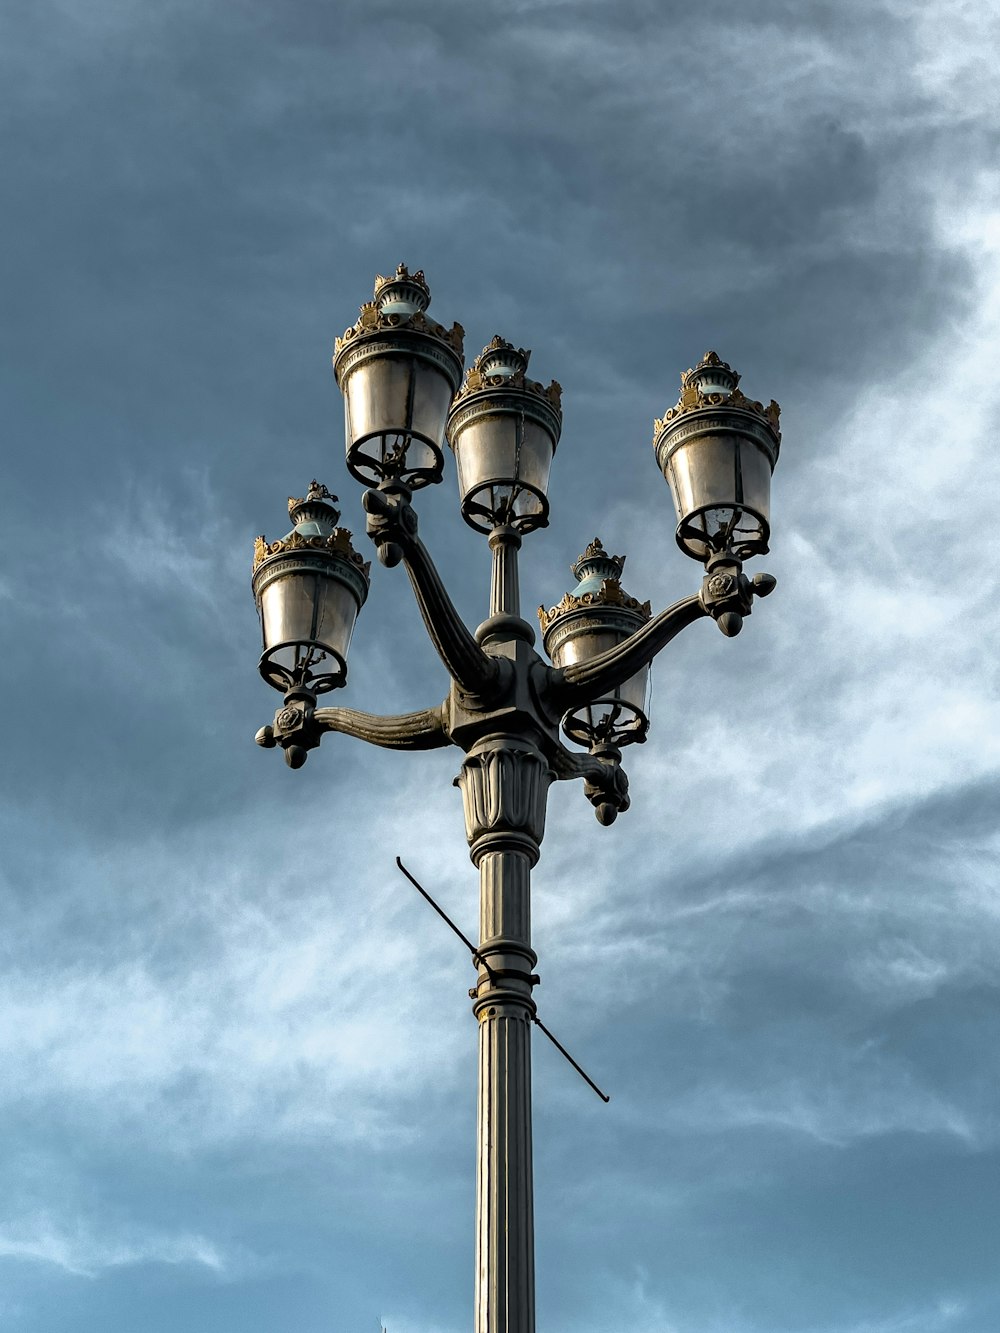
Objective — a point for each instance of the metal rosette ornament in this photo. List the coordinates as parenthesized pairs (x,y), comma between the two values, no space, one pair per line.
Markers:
(504,428)
(595,616)
(717,450)
(398,371)
(309,588)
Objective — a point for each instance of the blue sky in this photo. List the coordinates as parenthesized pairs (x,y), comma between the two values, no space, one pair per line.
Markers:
(230,1102)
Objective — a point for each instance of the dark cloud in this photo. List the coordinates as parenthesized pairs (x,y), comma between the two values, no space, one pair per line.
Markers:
(220,1112)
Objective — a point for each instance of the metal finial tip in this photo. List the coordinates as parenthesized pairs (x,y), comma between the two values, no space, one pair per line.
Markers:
(317,491)
(318,501)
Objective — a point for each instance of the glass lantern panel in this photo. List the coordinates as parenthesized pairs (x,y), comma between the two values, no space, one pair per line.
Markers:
(504,449)
(497,499)
(313,615)
(485,450)
(755,474)
(431,400)
(634,690)
(582,647)
(396,396)
(602,712)
(376,396)
(286,609)
(535,464)
(336,613)
(719,471)
(703,472)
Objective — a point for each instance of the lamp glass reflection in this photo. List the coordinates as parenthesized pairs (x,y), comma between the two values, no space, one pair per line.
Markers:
(620,716)
(503,461)
(395,408)
(721,486)
(307,619)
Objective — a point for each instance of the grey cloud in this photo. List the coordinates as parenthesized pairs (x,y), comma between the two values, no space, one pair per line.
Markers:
(782,959)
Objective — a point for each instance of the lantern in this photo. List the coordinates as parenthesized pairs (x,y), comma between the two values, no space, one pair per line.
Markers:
(503,429)
(595,616)
(309,588)
(717,449)
(398,371)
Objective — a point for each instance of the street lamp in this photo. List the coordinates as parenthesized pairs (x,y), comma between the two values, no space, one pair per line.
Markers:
(595,616)
(400,374)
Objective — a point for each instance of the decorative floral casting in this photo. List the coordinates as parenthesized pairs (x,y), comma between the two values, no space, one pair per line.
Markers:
(610,594)
(339,541)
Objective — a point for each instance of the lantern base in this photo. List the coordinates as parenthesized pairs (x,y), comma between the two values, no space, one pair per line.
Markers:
(606,722)
(298,672)
(715,530)
(493,504)
(410,459)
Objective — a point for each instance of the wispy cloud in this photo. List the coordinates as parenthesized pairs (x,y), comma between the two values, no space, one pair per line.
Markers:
(87,1253)
(784,957)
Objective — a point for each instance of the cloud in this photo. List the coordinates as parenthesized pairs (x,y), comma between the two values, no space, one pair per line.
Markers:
(83,1253)
(232,1004)
(219,1000)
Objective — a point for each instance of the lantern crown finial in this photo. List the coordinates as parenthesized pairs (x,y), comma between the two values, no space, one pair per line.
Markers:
(596,561)
(598,584)
(318,506)
(399,301)
(503,360)
(403,293)
(501,365)
(713,382)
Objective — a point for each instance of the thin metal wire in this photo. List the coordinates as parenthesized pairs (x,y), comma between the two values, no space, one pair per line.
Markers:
(479,960)
(448,921)
(562,1049)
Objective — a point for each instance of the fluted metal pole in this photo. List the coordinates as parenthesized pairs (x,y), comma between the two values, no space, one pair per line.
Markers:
(505,781)
(505,1236)
(505,596)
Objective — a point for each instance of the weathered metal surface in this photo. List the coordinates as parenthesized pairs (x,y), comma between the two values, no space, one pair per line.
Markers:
(505,703)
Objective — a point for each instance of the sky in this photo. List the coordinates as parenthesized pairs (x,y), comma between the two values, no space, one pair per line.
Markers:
(238,1090)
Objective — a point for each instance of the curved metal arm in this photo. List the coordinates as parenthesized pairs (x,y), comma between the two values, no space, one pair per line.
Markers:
(423,730)
(580,682)
(392,525)
(474,670)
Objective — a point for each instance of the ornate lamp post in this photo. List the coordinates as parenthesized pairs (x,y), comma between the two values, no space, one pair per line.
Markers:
(400,373)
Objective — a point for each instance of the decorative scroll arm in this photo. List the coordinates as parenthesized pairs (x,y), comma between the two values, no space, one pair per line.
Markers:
(573,685)
(392,525)
(422,730)
(299,726)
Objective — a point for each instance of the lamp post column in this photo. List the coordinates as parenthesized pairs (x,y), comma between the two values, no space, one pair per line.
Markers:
(504,783)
